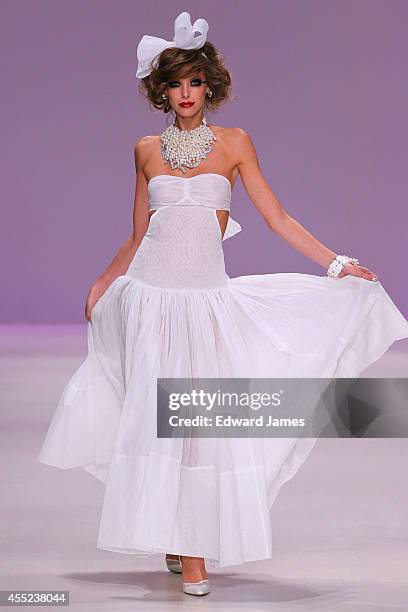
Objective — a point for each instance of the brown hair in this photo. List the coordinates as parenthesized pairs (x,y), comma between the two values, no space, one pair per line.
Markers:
(176,63)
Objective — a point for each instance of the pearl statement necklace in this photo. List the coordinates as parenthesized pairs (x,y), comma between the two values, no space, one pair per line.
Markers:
(186,148)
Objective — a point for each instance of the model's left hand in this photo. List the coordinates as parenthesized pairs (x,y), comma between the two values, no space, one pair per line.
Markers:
(357,270)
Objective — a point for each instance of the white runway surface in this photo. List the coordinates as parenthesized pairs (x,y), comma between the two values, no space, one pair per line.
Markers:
(340,526)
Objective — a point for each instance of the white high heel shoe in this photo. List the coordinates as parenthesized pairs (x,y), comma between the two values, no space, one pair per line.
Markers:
(197,588)
(174,565)
(202,587)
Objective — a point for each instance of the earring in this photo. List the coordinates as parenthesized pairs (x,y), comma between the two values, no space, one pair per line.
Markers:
(164,96)
(209,93)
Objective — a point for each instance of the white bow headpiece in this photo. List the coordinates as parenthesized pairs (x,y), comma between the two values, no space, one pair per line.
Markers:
(151,46)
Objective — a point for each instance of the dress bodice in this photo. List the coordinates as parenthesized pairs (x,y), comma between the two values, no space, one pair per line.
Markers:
(208,189)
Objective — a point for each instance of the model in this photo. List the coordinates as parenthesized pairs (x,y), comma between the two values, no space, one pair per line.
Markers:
(165,307)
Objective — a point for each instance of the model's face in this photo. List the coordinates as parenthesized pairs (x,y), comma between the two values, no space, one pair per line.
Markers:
(188,89)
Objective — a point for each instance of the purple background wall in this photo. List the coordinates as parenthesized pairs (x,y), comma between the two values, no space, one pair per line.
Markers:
(321,87)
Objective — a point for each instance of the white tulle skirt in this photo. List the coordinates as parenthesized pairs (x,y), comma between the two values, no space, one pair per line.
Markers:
(204,497)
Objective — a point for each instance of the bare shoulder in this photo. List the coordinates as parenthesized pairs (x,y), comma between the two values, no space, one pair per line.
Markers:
(142,150)
(241,138)
(145,143)
(233,139)
(244,147)
(239,142)
(229,134)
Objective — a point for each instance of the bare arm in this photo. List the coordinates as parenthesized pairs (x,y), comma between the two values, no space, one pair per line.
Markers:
(277,218)
(126,252)
(120,263)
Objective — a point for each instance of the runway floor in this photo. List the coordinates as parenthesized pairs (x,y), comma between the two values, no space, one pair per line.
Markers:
(340,526)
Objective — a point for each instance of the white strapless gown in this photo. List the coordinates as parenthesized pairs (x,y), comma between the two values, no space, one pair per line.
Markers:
(176,313)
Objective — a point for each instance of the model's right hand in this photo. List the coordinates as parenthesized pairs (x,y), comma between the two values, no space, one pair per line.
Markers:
(93,296)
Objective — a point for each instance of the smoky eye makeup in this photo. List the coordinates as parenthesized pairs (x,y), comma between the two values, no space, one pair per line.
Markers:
(195,82)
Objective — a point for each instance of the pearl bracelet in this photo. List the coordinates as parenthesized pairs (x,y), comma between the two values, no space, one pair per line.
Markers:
(338,264)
